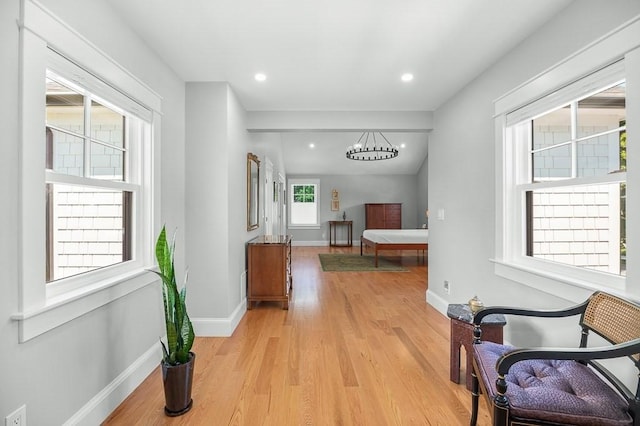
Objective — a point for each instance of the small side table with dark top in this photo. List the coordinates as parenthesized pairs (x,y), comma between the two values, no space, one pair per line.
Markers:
(333,240)
(462,335)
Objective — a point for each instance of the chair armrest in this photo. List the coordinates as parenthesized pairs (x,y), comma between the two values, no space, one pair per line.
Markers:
(629,348)
(573,310)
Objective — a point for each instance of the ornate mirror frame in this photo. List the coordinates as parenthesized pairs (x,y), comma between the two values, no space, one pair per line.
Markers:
(253,192)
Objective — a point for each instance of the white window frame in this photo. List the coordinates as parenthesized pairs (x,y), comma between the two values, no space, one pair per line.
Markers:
(138,131)
(510,260)
(42,306)
(304,181)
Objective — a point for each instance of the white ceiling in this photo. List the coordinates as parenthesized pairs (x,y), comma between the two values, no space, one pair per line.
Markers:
(335,55)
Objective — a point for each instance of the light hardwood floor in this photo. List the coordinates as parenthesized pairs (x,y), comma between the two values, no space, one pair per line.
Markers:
(354,348)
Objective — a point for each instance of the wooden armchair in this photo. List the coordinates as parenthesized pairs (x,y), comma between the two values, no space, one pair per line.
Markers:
(561,386)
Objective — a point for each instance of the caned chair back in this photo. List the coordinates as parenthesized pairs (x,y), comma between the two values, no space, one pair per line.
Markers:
(613,318)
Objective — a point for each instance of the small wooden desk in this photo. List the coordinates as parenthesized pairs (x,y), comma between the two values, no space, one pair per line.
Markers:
(333,224)
(462,335)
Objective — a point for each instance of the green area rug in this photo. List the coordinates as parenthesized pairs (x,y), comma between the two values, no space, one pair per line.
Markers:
(354,262)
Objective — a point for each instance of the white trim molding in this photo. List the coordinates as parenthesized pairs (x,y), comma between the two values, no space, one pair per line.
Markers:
(606,50)
(434,299)
(219,327)
(318,243)
(61,310)
(104,402)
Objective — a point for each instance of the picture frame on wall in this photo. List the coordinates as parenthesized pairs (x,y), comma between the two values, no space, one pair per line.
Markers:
(335,195)
(335,205)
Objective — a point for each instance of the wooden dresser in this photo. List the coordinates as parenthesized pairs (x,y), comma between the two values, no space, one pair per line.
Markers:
(383,216)
(269,269)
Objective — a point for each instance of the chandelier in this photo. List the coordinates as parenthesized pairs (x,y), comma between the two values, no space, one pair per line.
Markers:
(372,148)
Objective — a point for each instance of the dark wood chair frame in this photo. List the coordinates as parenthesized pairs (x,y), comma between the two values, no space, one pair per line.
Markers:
(621,329)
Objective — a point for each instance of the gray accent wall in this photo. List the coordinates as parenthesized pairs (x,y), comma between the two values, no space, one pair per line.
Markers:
(57,373)
(355,192)
(462,167)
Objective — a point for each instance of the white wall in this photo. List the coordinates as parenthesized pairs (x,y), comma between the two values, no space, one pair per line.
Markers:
(207,192)
(59,372)
(216,203)
(462,164)
(11,366)
(423,192)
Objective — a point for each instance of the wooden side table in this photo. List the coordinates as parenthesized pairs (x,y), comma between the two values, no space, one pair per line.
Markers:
(462,335)
(333,224)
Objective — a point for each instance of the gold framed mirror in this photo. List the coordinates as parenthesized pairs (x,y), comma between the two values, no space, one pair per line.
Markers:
(253,192)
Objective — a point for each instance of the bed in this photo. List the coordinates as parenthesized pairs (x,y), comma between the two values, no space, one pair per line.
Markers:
(394,239)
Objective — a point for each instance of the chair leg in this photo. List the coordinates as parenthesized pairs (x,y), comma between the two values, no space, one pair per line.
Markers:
(501,403)
(474,398)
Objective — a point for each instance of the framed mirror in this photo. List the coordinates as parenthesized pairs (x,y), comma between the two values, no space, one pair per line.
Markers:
(253,191)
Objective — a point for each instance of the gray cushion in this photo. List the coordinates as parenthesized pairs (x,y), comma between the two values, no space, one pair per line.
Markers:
(565,392)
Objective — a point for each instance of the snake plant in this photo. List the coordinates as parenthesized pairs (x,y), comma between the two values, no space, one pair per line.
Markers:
(179,329)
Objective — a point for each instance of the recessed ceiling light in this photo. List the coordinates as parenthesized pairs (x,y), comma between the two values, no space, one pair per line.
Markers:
(260,77)
(407,77)
(402,145)
(311,146)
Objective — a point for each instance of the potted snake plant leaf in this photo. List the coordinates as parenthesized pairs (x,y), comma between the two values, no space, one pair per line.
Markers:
(177,360)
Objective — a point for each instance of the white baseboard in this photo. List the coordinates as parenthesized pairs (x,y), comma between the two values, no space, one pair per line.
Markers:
(310,243)
(219,327)
(437,302)
(320,243)
(100,406)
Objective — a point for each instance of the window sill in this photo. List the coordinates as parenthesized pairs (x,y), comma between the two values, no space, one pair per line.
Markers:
(560,285)
(64,308)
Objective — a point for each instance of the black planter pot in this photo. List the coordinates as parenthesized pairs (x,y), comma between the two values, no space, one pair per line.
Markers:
(177,381)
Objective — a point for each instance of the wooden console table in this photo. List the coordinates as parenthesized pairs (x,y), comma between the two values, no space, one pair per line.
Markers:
(462,335)
(333,225)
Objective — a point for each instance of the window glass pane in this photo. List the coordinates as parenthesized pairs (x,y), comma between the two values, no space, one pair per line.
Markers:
(579,226)
(106,162)
(310,194)
(65,108)
(304,193)
(552,128)
(85,229)
(600,155)
(304,209)
(107,125)
(602,112)
(65,153)
(552,163)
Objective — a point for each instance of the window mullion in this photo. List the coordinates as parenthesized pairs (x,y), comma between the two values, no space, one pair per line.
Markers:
(574,137)
(87,137)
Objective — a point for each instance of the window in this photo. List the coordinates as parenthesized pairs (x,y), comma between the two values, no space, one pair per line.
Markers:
(88,203)
(573,196)
(304,203)
(89,221)
(565,181)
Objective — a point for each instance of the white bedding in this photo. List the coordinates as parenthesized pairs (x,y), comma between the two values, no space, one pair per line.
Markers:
(397,235)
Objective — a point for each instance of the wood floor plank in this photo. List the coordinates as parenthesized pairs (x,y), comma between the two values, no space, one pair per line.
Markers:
(354,348)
